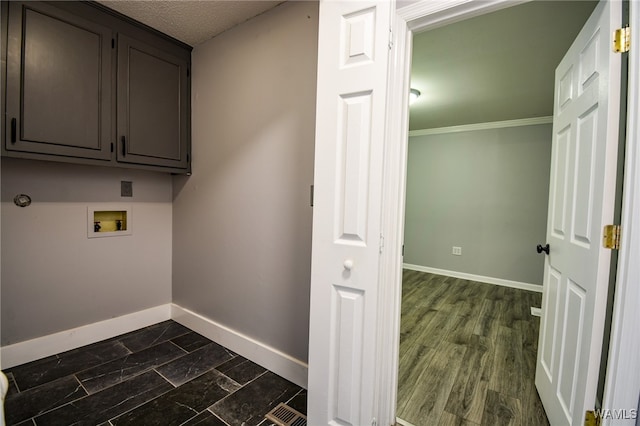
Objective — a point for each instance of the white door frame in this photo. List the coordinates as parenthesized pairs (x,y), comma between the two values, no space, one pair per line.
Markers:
(622,385)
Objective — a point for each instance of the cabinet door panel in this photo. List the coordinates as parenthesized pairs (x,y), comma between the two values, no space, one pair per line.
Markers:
(63,64)
(152,105)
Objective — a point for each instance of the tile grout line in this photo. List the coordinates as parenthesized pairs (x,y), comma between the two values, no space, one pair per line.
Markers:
(45,411)
(79,381)
(217,416)
(163,377)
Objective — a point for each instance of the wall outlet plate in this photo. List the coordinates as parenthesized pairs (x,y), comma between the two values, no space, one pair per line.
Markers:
(456,251)
(126,188)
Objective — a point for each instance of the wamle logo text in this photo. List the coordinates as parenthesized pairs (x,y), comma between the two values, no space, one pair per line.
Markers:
(617,414)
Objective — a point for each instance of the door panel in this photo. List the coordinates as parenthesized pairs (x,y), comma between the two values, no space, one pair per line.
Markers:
(349,318)
(548,329)
(352,180)
(584,180)
(147,134)
(152,105)
(351,107)
(559,189)
(572,336)
(58,83)
(583,173)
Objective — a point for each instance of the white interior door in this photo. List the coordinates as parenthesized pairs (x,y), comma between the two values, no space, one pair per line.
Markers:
(583,173)
(353,55)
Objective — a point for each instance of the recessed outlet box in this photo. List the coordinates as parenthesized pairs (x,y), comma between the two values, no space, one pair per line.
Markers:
(456,251)
(108,221)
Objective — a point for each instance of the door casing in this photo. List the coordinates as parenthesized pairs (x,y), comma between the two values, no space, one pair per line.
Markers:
(622,384)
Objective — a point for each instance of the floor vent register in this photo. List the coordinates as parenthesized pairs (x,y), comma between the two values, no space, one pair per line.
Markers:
(283,415)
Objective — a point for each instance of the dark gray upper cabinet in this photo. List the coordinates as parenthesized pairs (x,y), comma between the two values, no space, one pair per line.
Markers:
(87,85)
(152,105)
(58,83)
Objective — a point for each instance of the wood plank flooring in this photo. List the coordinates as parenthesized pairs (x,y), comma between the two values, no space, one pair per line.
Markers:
(467,353)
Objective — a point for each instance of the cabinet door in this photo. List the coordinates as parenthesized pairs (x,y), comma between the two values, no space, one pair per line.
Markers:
(58,83)
(152,105)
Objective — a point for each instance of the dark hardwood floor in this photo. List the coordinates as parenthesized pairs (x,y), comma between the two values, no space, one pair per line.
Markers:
(467,353)
(164,374)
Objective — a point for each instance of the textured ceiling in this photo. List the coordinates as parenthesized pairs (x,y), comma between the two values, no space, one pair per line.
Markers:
(191,22)
(494,67)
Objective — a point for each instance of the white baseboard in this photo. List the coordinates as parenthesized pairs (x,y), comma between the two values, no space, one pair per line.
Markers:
(403,422)
(280,363)
(472,277)
(41,347)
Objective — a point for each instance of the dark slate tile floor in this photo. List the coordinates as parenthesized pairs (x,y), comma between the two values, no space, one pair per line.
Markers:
(164,374)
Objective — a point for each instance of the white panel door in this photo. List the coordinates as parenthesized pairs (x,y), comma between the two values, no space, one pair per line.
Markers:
(353,55)
(583,173)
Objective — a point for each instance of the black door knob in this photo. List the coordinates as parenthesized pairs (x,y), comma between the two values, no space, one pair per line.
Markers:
(540,248)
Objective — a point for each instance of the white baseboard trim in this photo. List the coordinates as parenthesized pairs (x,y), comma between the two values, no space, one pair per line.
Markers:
(472,277)
(280,363)
(41,347)
(403,422)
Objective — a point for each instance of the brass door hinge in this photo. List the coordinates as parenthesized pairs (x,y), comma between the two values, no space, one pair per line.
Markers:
(611,237)
(592,419)
(622,40)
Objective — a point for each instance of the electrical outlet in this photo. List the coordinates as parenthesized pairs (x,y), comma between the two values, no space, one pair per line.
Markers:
(456,251)
(126,188)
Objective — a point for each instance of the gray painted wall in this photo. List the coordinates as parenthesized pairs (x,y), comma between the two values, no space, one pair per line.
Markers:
(242,221)
(54,278)
(485,191)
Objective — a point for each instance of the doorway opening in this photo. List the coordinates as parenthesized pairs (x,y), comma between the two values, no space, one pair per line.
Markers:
(474,163)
